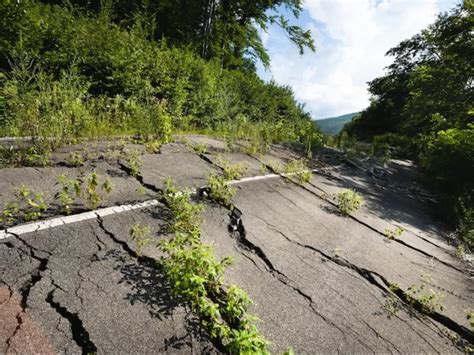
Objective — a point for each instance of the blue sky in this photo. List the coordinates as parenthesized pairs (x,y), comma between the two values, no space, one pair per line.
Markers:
(352,37)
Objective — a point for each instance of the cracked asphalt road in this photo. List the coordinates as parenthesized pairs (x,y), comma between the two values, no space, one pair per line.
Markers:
(319,281)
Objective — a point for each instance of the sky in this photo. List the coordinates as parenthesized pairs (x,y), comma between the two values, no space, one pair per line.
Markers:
(351,37)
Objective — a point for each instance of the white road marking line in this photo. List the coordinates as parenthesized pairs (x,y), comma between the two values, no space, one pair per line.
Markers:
(102,212)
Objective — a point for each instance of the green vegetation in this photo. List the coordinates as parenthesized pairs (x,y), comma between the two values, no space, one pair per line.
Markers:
(71,70)
(295,170)
(28,206)
(393,233)
(75,159)
(348,201)
(91,192)
(429,299)
(232,171)
(134,161)
(219,189)
(197,276)
(141,234)
(416,295)
(422,108)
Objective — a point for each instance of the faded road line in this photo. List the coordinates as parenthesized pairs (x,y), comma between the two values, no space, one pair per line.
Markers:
(80,217)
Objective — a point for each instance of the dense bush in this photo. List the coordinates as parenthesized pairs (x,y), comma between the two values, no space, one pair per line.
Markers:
(86,71)
(449,158)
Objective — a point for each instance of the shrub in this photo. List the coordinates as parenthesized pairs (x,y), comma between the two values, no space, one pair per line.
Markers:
(91,192)
(348,201)
(219,190)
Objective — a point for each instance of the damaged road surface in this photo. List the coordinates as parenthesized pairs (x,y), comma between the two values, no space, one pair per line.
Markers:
(320,282)
(81,289)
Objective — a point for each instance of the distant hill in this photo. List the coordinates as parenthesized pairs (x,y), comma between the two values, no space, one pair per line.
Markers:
(333,125)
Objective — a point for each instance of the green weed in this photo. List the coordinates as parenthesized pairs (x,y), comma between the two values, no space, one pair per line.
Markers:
(393,233)
(29,206)
(134,161)
(141,234)
(196,275)
(219,189)
(429,300)
(186,215)
(298,171)
(348,201)
(75,159)
(153,146)
(232,171)
(10,213)
(91,192)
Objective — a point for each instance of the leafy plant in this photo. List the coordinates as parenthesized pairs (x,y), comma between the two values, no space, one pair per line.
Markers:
(75,159)
(10,213)
(297,169)
(196,275)
(199,148)
(429,299)
(142,236)
(348,201)
(91,192)
(232,171)
(219,190)
(392,303)
(393,233)
(35,204)
(134,162)
(186,215)
(153,146)
(28,206)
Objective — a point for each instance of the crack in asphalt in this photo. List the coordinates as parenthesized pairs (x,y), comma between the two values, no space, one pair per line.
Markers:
(138,177)
(19,320)
(371,277)
(381,233)
(79,333)
(356,219)
(36,275)
(237,225)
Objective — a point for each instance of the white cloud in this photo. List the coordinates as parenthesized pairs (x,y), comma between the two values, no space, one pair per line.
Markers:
(351,37)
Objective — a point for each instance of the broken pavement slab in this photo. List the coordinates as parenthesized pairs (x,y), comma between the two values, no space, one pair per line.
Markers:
(90,292)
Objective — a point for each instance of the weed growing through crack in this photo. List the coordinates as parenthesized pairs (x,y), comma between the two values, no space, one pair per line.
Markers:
(417,295)
(232,171)
(393,233)
(199,148)
(29,206)
(10,213)
(134,161)
(392,304)
(198,276)
(297,171)
(427,297)
(153,146)
(348,201)
(470,318)
(186,215)
(75,159)
(92,192)
(219,190)
(34,201)
(141,234)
